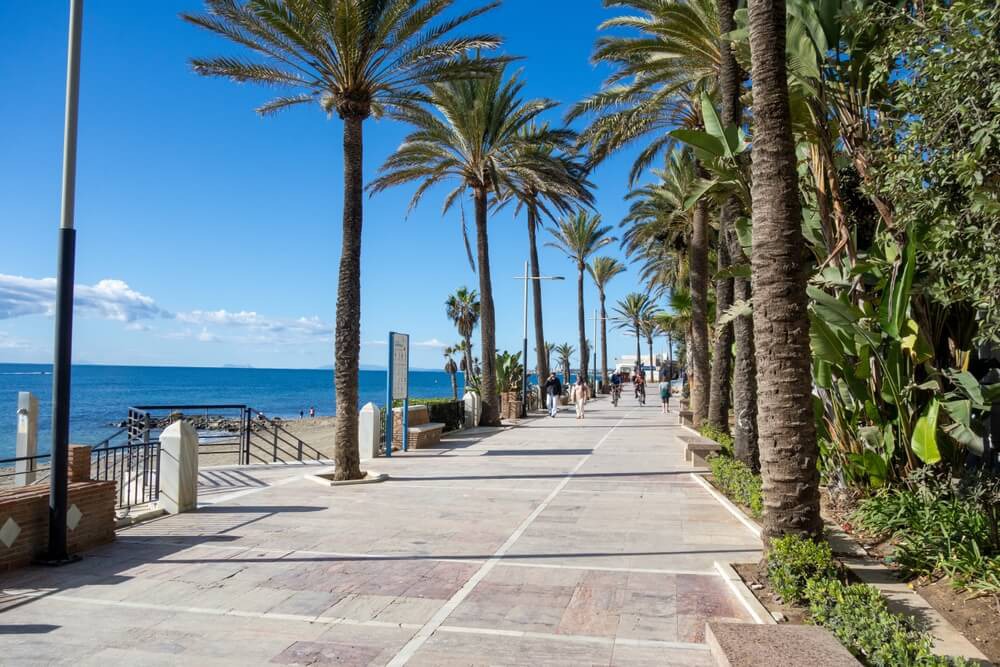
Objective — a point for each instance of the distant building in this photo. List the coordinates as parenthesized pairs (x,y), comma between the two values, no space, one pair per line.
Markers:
(651,366)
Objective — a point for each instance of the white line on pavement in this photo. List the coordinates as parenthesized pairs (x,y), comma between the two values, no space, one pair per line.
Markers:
(418,640)
(725,502)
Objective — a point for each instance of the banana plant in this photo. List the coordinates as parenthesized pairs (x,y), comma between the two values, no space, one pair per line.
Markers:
(883,408)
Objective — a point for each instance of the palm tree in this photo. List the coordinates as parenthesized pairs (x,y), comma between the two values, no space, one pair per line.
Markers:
(744,365)
(660,75)
(549,347)
(558,185)
(650,328)
(667,325)
(680,304)
(787,437)
(358,58)
(462,308)
(565,352)
(475,138)
(602,270)
(579,236)
(632,310)
(451,368)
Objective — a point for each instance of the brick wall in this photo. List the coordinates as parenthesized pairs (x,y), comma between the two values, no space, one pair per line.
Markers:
(28,507)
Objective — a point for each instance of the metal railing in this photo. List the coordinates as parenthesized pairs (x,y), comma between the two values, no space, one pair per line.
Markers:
(267,441)
(134,467)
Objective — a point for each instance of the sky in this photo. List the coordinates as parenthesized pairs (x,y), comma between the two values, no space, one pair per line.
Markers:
(209,236)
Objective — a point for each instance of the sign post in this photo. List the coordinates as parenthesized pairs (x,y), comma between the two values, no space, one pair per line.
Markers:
(397,386)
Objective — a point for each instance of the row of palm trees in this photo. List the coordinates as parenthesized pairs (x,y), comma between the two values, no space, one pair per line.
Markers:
(401,59)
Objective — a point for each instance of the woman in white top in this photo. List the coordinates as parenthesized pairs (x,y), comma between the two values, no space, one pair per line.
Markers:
(581,392)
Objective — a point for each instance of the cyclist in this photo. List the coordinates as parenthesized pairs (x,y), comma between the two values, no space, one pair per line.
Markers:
(640,388)
(616,387)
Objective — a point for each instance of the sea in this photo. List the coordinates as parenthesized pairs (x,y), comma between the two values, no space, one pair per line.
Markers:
(101,395)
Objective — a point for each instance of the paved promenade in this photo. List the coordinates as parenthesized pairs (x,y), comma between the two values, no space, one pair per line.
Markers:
(558,542)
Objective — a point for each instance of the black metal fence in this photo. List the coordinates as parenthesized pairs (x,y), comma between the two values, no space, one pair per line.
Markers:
(135,468)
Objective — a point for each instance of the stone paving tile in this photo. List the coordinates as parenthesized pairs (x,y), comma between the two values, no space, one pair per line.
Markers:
(241,582)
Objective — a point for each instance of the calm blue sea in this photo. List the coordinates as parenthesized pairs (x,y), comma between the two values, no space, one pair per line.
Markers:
(103,394)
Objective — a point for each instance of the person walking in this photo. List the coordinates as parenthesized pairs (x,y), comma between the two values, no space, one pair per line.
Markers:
(581,392)
(312,412)
(553,390)
(665,394)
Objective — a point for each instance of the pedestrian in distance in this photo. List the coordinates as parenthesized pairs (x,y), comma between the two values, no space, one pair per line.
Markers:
(640,388)
(302,414)
(581,392)
(665,394)
(312,412)
(553,390)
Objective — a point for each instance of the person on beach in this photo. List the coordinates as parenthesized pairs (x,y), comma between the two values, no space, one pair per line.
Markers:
(312,412)
(553,390)
(581,392)
(665,395)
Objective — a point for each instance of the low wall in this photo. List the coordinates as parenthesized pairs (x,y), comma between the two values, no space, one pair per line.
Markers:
(24,515)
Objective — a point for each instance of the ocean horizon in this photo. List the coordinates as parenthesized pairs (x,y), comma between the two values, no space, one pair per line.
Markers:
(101,395)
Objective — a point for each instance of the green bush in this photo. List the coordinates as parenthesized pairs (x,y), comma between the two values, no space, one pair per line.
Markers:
(940,527)
(720,437)
(858,616)
(738,482)
(445,411)
(792,562)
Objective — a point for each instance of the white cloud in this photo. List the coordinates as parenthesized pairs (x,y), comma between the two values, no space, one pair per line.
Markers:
(375,343)
(432,343)
(258,328)
(8,342)
(108,299)
(207,337)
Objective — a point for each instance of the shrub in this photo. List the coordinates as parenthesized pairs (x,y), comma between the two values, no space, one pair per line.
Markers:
(940,527)
(792,562)
(445,411)
(738,482)
(858,616)
(720,437)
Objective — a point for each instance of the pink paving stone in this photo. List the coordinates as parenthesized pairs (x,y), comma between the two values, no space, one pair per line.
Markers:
(323,654)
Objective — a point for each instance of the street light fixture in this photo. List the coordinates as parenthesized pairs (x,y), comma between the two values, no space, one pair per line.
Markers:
(524,359)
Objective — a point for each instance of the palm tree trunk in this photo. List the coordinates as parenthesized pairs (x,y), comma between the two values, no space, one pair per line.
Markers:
(699,313)
(347,344)
(454,385)
(604,343)
(468,359)
(638,345)
(581,321)
(649,341)
(744,365)
(722,356)
(670,357)
(788,449)
(536,291)
(490,415)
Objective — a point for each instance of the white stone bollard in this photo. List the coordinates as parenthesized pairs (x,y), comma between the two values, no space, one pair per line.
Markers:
(27,438)
(179,468)
(368,431)
(470,409)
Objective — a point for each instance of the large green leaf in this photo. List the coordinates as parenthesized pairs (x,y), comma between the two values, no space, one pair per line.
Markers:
(924,440)
(704,142)
(831,309)
(969,386)
(713,124)
(896,303)
(698,190)
(824,342)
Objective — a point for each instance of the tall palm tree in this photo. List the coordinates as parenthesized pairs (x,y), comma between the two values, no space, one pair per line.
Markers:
(680,304)
(451,368)
(667,325)
(549,348)
(657,84)
(462,308)
(565,352)
(475,138)
(787,436)
(557,186)
(602,270)
(632,310)
(650,328)
(579,236)
(731,76)
(358,58)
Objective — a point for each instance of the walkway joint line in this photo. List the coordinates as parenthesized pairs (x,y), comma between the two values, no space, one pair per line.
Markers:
(419,639)
(725,502)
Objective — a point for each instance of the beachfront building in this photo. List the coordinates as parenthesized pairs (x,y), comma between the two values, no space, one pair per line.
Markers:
(626,363)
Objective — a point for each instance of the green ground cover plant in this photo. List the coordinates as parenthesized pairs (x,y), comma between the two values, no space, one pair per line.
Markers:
(721,437)
(940,526)
(737,481)
(805,572)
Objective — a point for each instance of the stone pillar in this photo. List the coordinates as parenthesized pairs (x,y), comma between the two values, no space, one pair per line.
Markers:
(27,438)
(79,463)
(469,399)
(368,431)
(179,468)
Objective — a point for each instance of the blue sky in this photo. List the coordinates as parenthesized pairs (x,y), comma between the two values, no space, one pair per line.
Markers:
(210,236)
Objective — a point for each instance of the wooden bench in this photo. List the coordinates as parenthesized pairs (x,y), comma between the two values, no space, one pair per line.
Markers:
(421,430)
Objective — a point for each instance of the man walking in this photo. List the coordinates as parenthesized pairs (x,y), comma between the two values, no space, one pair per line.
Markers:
(553,390)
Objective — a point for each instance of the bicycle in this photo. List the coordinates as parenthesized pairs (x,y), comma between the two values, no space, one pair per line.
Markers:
(616,392)
(640,394)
